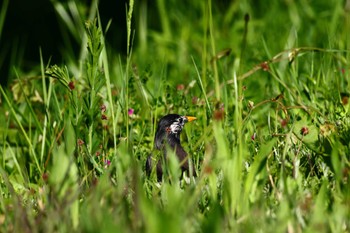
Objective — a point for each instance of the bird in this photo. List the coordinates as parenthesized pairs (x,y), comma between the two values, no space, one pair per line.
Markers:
(168,136)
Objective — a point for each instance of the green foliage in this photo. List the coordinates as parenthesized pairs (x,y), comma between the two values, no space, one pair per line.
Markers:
(270,144)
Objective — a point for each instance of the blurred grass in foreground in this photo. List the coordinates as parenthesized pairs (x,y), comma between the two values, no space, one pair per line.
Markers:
(268,84)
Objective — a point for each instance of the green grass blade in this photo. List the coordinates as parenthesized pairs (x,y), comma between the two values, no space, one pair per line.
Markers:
(31,148)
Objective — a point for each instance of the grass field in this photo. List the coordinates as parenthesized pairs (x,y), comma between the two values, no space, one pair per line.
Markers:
(268,83)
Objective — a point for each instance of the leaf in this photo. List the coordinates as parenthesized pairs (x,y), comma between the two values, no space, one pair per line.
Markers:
(64,172)
(320,206)
(259,162)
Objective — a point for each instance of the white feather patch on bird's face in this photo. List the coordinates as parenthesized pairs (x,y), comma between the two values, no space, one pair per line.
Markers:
(177,126)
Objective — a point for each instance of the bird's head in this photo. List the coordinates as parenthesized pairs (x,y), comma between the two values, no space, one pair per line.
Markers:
(170,127)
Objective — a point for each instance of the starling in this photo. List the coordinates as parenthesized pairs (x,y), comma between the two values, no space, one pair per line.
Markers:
(168,136)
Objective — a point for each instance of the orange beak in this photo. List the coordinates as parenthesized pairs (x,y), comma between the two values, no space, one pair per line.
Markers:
(190,118)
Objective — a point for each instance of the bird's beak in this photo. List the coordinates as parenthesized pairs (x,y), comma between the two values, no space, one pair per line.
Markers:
(190,118)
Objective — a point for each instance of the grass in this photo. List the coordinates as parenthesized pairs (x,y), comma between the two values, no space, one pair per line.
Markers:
(268,85)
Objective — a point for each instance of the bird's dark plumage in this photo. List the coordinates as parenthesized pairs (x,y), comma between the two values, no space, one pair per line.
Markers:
(168,136)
